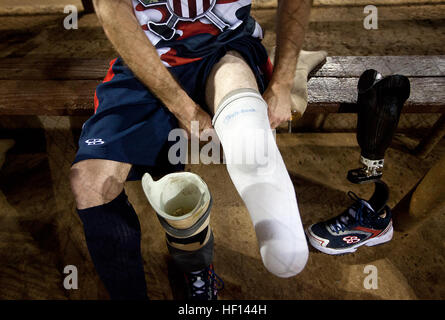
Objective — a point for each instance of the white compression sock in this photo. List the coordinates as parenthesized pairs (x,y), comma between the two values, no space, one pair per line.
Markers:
(259,174)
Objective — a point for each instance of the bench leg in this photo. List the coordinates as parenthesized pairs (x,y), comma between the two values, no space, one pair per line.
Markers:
(320,121)
(88,6)
(425,198)
(428,143)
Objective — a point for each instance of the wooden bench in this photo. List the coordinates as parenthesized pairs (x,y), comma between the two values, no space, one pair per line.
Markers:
(65,87)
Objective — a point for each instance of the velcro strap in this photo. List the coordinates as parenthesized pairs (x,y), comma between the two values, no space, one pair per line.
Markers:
(200,237)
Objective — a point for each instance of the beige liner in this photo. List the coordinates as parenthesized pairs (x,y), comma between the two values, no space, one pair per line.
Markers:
(190,221)
(180,198)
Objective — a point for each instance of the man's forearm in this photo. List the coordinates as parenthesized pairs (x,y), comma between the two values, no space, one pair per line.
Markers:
(128,38)
(292,21)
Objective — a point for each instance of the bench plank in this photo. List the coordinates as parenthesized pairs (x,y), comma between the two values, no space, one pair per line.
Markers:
(49,97)
(53,69)
(335,66)
(75,97)
(327,95)
(410,66)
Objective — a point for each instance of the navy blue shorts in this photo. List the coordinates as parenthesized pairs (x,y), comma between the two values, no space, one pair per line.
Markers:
(131,125)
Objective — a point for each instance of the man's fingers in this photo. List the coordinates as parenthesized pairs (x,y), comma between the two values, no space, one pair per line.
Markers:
(204,126)
(207,125)
(273,124)
(271,118)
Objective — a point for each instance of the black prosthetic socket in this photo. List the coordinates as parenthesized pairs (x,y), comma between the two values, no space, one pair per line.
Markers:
(183,262)
(380,101)
(190,261)
(113,236)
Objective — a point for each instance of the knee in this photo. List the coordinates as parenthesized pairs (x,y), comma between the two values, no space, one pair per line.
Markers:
(93,186)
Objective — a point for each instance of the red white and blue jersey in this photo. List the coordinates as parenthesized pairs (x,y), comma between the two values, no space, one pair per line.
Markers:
(184,31)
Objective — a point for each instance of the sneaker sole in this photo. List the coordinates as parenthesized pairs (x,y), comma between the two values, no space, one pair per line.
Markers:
(315,242)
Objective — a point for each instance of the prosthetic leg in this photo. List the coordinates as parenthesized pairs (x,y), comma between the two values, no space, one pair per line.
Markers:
(259,175)
(380,101)
(182,202)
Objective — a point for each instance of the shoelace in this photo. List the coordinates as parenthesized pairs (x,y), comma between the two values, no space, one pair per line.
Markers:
(202,280)
(346,219)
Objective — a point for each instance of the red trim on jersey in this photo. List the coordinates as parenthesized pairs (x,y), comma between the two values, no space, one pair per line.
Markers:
(192,29)
(110,75)
(267,69)
(161,8)
(165,13)
(96,101)
(173,60)
(140,7)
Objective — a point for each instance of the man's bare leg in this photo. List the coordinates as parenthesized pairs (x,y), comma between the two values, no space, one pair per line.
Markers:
(111,226)
(242,125)
(229,74)
(95,181)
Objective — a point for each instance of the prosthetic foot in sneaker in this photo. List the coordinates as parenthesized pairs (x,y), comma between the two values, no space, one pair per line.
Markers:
(357,226)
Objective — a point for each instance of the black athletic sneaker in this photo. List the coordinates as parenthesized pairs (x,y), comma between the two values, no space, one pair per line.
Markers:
(356,226)
(203,284)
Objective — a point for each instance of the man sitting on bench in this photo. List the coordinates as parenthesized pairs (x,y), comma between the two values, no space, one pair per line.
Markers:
(184,61)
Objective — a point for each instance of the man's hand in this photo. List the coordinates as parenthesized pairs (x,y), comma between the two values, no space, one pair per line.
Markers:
(279,101)
(293,17)
(193,112)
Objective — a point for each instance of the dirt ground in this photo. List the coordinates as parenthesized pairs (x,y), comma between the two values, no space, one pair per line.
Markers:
(40,232)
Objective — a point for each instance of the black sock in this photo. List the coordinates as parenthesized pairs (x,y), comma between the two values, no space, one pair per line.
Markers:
(113,236)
